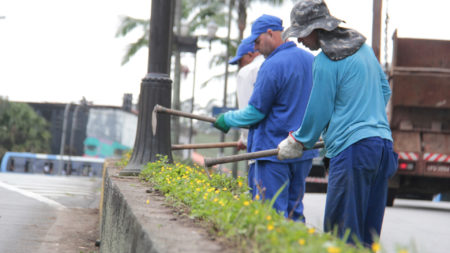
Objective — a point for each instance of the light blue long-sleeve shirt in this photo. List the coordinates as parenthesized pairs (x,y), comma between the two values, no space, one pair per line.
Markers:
(243,117)
(347,102)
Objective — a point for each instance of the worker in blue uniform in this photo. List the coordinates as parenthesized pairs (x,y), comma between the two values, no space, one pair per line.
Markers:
(276,106)
(347,106)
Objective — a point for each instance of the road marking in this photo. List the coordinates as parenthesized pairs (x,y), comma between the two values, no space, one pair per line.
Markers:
(33,195)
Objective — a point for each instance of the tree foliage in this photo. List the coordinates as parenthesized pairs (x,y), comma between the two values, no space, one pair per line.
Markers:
(21,129)
(195,14)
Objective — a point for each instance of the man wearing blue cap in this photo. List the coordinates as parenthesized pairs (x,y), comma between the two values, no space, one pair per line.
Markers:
(249,62)
(276,107)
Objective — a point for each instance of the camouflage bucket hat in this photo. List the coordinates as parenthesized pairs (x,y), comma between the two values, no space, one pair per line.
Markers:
(308,15)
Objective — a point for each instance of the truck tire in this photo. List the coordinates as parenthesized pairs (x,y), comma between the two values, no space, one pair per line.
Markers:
(391,196)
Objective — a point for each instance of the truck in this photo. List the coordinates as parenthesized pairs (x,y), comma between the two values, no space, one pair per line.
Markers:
(419,117)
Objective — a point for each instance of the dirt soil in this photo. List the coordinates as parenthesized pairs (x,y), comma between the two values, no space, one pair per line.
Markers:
(75,230)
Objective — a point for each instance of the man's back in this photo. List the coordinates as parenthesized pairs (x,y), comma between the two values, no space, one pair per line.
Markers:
(360,91)
(281,93)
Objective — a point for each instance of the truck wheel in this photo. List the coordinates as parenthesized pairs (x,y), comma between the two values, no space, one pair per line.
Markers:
(391,196)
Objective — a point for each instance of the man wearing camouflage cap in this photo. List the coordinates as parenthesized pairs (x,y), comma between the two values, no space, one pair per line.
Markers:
(277,104)
(347,106)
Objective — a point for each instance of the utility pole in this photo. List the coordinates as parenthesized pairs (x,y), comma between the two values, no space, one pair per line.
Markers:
(225,88)
(376,27)
(177,75)
(63,138)
(155,89)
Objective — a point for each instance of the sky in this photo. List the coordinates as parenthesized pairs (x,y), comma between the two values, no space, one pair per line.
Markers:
(63,50)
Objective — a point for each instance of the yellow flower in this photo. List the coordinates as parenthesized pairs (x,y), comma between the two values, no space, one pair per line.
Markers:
(246,203)
(148,201)
(240,184)
(301,241)
(217,191)
(269,227)
(224,189)
(216,199)
(269,217)
(257,197)
(333,249)
(256,211)
(198,189)
(311,230)
(375,247)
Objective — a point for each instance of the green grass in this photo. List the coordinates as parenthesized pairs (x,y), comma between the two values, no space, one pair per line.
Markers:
(224,203)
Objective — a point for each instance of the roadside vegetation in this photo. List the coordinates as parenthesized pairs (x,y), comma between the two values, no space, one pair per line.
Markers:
(224,203)
(22,129)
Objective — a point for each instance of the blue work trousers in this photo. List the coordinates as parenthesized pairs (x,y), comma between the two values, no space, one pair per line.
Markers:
(357,189)
(271,176)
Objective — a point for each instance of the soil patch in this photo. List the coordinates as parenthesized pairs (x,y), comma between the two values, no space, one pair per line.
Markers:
(75,230)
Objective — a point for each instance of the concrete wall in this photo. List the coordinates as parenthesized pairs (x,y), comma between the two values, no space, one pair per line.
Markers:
(120,229)
(136,218)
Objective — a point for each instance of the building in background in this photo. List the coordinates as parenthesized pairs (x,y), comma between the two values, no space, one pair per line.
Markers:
(110,132)
(91,130)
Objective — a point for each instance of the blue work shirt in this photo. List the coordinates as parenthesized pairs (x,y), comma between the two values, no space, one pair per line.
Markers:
(347,102)
(281,93)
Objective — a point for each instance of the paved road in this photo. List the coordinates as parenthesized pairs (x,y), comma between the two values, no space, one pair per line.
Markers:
(30,205)
(422,226)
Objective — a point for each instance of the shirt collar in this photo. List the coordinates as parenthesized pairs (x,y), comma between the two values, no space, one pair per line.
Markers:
(282,47)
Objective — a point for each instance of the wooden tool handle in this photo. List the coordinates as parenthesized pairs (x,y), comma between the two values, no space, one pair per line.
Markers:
(248,156)
(204,145)
(163,109)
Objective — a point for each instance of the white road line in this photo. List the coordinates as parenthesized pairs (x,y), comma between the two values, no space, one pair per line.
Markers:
(33,195)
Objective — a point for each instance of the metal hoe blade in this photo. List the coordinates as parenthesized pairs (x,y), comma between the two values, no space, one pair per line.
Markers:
(154,120)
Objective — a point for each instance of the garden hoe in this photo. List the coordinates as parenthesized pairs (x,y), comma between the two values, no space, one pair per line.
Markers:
(248,156)
(161,109)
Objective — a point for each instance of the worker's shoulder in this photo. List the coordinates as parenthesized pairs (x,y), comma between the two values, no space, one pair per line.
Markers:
(291,55)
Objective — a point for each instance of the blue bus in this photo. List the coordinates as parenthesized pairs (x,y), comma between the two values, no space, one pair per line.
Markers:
(51,164)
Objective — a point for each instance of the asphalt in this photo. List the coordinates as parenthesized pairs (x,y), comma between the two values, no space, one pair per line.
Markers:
(25,218)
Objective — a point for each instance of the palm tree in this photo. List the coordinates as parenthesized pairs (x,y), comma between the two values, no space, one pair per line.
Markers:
(242,13)
(194,13)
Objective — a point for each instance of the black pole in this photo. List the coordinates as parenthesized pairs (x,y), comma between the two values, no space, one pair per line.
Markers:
(155,89)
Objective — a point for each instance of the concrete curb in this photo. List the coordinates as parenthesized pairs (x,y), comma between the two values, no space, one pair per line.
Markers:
(120,229)
(134,220)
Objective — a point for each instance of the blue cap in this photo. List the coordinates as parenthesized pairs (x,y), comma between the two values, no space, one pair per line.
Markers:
(262,24)
(242,50)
